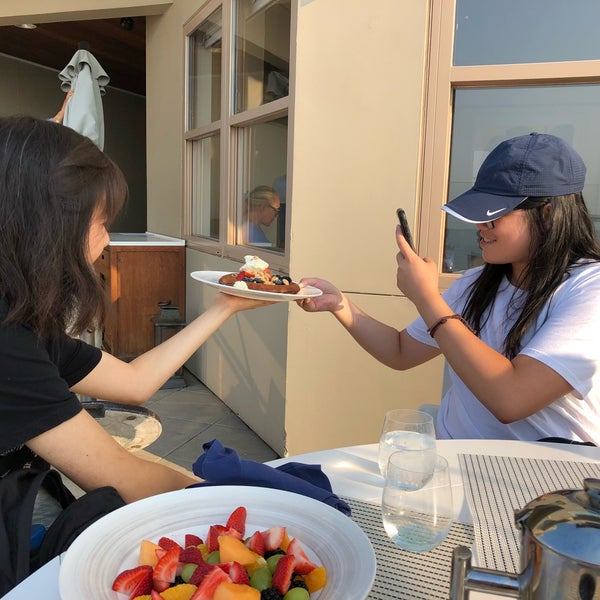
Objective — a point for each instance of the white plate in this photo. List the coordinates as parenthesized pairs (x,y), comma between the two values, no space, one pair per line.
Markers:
(212,278)
(111,544)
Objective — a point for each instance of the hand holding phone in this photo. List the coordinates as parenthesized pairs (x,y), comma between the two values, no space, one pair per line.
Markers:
(405,228)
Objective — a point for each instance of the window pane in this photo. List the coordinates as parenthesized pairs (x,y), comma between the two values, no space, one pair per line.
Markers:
(262,155)
(485,117)
(205,187)
(262,52)
(491,32)
(205,72)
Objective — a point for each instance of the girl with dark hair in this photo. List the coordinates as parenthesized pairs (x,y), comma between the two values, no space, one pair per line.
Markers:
(519,333)
(58,195)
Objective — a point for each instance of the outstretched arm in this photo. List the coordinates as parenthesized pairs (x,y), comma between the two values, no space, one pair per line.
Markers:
(393,348)
(134,382)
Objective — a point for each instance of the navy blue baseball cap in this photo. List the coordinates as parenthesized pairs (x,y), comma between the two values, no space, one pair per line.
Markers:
(537,164)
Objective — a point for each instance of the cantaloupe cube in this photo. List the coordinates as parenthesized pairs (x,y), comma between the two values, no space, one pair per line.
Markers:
(148,553)
(236,591)
(232,549)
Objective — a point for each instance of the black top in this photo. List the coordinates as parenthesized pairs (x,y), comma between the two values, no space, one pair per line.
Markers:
(35,377)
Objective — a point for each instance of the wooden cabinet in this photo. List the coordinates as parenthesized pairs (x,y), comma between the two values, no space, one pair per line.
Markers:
(137,278)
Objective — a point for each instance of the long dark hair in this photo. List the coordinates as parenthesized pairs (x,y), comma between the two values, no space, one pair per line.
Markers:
(558,240)
(52,181)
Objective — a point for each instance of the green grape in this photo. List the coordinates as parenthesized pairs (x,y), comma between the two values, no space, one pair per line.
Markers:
(297,594)
(261,579)
(214,558)
(187,571)
(273,560)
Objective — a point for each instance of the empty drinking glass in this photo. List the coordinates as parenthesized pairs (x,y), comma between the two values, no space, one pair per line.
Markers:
(410,430)
(416,504)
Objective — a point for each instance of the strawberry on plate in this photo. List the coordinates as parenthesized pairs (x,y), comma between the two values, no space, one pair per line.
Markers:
(134,582)
(302,564)
(282,576)
(165,570)
(256,543)
(167,543)
(237,520)
(273,537)
(211,581)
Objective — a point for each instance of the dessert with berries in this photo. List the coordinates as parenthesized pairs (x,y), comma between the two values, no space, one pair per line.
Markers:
(256,275)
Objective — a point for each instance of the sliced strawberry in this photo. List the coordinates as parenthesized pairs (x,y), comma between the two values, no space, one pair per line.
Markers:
(243,274)
(160,585)
(212,541)
(237,520)
(160,552)
(142,588)
(154,595)
(273,537)
(211,581)
(238,574)
(191,554)
(214,531)
(282,576)
(192,540)
(130,580)
(167,543)
(166,567)
(200,573)
(256,543)
(302,564)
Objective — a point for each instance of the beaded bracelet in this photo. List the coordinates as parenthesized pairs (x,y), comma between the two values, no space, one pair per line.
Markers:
(431,331)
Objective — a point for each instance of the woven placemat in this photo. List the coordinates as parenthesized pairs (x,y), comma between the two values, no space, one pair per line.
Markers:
(497,485)
(408,575)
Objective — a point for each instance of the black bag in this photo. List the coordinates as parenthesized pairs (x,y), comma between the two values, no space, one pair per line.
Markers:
(18,490)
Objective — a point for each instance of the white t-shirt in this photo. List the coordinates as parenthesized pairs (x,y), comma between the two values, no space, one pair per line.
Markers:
(566,337)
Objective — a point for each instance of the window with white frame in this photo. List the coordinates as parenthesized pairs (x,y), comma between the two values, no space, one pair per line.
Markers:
(236,136)
(504,69)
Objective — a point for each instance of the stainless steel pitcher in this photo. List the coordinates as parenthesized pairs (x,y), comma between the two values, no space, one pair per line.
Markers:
(560,551)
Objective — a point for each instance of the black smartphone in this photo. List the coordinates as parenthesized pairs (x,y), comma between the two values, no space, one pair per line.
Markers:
(405,228)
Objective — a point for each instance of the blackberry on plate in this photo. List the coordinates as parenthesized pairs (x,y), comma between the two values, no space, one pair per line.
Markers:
(298,582)
(271,594)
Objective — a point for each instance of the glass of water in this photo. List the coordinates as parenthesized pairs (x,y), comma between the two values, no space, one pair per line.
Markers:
(409,430)
(416,504)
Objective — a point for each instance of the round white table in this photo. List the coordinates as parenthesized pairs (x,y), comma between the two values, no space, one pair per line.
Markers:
(354,472)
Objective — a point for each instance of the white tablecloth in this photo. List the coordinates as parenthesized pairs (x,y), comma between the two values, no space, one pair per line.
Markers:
(354,473)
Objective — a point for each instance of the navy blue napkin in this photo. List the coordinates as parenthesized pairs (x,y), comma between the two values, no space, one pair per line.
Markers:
(222,466)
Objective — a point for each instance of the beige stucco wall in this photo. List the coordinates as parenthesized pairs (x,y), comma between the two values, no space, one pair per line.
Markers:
(355,128)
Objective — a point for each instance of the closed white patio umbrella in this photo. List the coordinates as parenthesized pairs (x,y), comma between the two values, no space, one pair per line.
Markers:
(84,112)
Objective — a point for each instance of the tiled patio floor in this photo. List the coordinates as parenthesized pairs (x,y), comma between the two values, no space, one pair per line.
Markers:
(193,415)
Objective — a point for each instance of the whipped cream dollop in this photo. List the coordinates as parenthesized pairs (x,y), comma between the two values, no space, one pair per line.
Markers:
(254,264)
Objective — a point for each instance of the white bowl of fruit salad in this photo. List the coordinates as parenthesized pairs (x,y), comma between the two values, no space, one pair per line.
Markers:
(220,543)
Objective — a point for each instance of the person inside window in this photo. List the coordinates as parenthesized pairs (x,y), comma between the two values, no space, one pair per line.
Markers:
(58,194)
(520,332)
(262,207)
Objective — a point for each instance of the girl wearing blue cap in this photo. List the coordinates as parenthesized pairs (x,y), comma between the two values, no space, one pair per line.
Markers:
(519,333)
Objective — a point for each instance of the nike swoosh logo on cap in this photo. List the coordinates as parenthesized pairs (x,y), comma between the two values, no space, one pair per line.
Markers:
(491,213)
